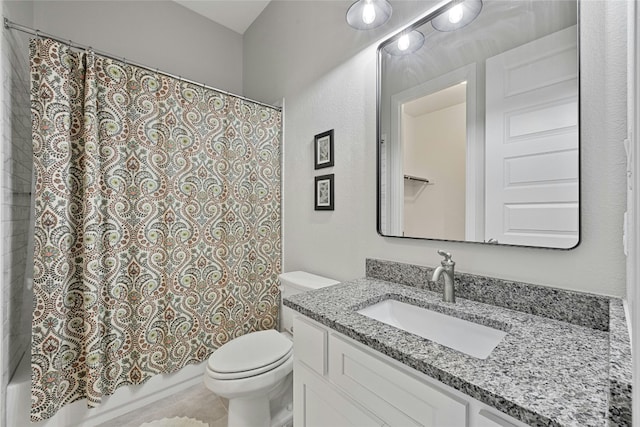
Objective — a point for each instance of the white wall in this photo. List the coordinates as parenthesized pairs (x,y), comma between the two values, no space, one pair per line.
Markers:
(336,243)
(435,148)
(633,200)
(15,185)
(155,33)
(294,43)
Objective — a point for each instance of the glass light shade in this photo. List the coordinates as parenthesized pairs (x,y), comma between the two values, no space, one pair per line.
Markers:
(405,44)
(456,13)
(458,16)
(368,14)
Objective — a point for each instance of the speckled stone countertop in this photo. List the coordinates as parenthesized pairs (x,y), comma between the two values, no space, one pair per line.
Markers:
(545,372)
(620,367)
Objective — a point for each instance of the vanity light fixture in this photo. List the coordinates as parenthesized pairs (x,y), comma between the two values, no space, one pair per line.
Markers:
(407,43)
(458,16)
(368,14)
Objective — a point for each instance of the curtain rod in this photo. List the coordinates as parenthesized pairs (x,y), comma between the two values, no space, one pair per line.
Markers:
(12,25)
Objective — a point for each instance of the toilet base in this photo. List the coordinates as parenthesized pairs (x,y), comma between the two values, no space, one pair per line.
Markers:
(273,409)
(281,404)
(249,412)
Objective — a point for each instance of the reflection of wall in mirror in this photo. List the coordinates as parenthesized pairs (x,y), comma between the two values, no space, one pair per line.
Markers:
(434,147)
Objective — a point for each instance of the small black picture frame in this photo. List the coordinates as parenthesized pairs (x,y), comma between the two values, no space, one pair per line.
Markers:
(323,190)
(323,150)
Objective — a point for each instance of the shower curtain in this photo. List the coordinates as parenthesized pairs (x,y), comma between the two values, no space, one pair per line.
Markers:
(157,229)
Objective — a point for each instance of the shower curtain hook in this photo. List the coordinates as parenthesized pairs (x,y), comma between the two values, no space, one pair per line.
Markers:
(70,43)
(124,60)
(37,34)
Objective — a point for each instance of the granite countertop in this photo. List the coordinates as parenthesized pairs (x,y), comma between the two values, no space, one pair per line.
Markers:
(545,372)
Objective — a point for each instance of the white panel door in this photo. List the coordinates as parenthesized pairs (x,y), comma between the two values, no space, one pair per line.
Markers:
(532,159)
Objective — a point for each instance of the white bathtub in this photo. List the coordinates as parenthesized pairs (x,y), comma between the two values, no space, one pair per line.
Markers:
(125,399)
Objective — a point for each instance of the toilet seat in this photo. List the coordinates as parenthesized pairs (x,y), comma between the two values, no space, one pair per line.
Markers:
(249,373)
(250,355)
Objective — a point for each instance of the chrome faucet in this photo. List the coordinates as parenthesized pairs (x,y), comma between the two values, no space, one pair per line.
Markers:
(446,267)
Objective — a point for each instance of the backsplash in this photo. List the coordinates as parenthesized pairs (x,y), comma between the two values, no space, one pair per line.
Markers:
(578,308)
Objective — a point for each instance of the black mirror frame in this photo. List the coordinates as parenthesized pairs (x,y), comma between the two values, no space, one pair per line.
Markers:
(418,22)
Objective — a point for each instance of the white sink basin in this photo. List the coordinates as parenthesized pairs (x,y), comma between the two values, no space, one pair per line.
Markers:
(467,337)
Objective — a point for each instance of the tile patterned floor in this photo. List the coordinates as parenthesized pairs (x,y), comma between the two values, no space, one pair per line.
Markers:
(195,402)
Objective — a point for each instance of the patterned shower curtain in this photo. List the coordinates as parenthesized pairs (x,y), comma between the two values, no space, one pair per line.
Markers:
(157,234)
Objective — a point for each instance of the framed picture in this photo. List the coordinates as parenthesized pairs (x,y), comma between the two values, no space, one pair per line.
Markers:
(323,154)
(324,193)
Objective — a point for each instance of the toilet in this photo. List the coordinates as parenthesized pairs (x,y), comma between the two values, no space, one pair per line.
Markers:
(255,371)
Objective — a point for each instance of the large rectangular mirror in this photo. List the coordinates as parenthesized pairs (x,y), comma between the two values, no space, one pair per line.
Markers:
(478,125)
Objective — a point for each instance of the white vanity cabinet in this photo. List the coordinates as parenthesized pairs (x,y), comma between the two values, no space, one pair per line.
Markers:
(340,382)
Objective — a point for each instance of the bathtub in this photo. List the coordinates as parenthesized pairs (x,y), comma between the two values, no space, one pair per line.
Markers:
(124,399)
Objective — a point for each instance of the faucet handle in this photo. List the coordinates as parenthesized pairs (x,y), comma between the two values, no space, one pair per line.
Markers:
(447,257)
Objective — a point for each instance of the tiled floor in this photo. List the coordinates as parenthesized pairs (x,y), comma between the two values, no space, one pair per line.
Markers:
(196,402)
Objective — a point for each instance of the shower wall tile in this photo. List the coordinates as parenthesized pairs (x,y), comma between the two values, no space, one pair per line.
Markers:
(15,201)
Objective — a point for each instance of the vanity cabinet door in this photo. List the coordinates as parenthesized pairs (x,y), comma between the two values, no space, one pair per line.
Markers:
(397,397)
(488,419)
(310,344)
(317,404)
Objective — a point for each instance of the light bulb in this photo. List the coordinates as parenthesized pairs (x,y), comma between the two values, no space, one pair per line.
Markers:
(403,42)
(368,12)
(455,14)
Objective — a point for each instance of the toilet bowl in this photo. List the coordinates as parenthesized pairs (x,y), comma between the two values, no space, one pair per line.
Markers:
(255,371)
(247,370)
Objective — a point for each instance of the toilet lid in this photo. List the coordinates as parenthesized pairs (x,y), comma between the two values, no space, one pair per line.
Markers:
(252,372)
(251,352)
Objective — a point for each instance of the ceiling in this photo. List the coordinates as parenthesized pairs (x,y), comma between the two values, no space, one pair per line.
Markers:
(236,15)
(444,98)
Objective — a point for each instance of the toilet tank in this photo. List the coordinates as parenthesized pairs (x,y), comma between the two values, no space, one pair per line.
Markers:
(293,283)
